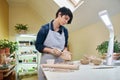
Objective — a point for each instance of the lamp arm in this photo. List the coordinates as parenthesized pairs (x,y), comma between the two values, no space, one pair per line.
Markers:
(110,50)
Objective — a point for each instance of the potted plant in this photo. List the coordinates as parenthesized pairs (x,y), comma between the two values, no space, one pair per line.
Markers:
(102,48)
(21,28)
(8,46)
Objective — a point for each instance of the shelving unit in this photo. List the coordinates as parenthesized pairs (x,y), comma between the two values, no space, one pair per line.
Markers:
(27,57)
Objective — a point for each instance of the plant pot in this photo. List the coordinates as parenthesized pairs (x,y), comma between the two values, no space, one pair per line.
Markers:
(22,31)
(116,56)
(7,51)
(2,58)
(2,51)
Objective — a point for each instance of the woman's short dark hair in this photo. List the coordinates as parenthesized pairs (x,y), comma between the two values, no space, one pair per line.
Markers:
(65,11)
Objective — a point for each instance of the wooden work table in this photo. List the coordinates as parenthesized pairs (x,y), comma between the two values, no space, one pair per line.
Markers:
(8,74)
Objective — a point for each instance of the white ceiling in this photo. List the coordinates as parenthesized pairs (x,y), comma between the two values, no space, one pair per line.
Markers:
(85,15)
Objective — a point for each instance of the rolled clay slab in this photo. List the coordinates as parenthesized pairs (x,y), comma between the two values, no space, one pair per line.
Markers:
(61,66)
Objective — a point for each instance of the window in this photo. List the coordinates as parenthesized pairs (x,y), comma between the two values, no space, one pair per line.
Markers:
(75,2)
(71,4)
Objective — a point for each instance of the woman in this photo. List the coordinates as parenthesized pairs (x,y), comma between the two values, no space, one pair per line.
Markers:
(52,39)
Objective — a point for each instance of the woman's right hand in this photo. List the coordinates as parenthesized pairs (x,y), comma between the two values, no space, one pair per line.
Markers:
(56,52)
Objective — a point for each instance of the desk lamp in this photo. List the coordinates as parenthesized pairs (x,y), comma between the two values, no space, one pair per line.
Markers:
(104,16)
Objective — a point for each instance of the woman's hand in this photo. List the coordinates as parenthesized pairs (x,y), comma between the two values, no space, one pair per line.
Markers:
(56,52)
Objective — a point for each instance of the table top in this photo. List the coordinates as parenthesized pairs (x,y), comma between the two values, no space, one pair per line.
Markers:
(6,70)
(86,72)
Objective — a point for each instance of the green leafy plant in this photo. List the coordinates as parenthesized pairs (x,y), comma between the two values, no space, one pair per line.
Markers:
(19,27)
(4,43)
(102,48)
(13,47)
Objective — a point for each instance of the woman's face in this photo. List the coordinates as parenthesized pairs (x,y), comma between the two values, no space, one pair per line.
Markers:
(63,19)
